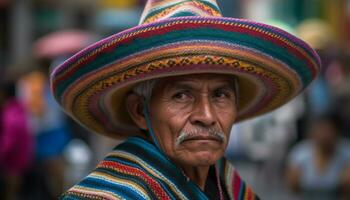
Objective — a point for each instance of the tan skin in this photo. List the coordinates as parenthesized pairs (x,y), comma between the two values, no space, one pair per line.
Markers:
(190,103)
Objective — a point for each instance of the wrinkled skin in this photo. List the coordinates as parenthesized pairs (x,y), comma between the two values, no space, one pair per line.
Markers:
(201,108)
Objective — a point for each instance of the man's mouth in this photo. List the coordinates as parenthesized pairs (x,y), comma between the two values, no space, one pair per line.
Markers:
(187,136)
(203,137)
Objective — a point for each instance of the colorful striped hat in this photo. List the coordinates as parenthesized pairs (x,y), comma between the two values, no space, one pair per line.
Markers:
(177,37)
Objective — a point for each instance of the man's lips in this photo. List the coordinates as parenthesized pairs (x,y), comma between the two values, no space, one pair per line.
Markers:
(203,137)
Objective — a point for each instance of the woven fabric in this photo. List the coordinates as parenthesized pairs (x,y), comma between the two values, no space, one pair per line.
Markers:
(137,170)
(272,66)
(156,10)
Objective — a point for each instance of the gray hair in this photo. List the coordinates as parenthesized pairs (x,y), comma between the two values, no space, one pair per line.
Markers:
(145,88)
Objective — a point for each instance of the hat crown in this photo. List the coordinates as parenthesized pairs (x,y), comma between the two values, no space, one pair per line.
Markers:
(156,10)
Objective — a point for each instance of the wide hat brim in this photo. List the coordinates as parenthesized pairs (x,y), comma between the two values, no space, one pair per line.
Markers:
(272,67)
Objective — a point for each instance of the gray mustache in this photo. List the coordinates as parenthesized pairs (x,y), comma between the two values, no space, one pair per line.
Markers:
(211,132)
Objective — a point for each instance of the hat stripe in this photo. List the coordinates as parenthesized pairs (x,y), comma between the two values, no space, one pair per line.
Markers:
(98,48)
(156,35)
(161,27)
(195,8)
(284,36)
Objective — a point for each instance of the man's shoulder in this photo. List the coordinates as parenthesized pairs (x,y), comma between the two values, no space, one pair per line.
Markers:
(75,195)
(106,185)
(121,175)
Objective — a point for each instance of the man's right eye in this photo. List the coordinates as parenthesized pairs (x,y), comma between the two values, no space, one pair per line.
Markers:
(181,96)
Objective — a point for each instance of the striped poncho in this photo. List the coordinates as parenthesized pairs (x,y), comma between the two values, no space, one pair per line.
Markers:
(136,169)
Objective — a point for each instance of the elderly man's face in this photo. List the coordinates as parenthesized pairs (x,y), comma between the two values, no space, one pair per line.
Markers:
(192,116)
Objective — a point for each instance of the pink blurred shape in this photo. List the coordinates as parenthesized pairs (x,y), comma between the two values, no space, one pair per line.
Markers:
(62,43)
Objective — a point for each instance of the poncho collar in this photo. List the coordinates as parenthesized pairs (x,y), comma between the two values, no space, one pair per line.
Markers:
(151,159)
(136,169)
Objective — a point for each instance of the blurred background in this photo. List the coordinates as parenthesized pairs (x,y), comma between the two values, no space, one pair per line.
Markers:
(300,151)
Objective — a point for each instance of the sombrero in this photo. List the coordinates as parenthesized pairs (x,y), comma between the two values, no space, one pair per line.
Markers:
(177,37)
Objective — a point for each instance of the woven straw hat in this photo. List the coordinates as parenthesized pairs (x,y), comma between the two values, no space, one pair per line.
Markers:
(177,37)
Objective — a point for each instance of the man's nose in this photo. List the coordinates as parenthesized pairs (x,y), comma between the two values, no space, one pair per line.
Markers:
(203,113)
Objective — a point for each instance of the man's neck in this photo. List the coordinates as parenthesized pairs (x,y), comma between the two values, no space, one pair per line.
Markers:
(197,174)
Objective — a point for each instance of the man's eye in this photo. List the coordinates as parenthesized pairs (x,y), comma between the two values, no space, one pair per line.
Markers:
(219,94)
(222,94)
(181,96)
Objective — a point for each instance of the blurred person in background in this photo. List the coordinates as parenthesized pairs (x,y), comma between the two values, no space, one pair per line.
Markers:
(16,141)
(319,167)
(49,124)
(340,75)
(52,135)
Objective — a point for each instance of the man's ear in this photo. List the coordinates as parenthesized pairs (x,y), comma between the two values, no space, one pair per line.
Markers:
(134,105)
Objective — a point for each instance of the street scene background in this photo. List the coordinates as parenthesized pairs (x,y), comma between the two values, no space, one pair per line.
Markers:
(46,152)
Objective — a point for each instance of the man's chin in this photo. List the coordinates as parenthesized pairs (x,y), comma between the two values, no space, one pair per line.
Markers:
(203,158)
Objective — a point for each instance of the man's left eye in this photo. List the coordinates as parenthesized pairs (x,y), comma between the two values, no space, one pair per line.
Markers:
(181,96)
(221,94)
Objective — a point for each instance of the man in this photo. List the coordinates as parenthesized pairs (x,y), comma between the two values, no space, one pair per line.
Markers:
(172,87)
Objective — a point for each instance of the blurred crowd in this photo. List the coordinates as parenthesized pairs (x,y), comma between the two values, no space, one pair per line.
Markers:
(300,151)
